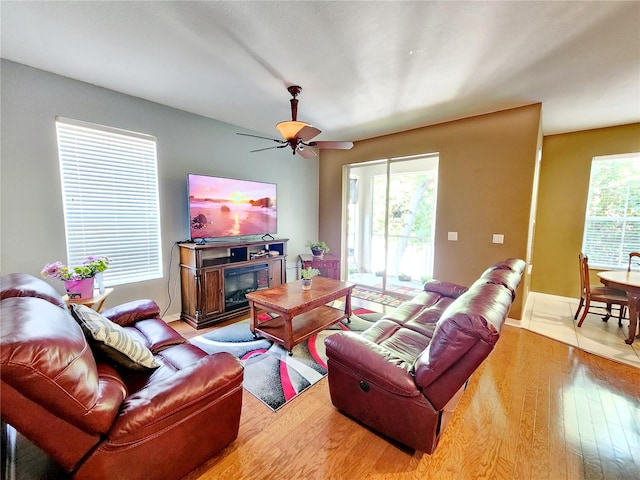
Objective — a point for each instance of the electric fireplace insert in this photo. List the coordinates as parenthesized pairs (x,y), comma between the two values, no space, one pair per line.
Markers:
(242,280)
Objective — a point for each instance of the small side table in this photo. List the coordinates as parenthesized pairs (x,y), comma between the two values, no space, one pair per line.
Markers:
(94,302)
(328,265)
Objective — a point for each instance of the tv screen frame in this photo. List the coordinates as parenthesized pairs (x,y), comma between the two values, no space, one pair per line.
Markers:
(225,207)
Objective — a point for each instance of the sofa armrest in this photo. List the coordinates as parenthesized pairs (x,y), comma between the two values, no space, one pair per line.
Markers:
(164,403)
(131,312)
(446,289)
(371,362)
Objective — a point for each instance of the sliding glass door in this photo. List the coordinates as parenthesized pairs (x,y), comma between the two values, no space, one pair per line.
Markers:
(391,223)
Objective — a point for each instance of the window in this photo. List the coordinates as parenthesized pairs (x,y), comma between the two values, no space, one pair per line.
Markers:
(612,225)
(110,198)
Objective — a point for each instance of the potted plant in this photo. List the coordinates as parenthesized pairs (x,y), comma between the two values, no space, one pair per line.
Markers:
(78,280)
(318,248)
(307,276)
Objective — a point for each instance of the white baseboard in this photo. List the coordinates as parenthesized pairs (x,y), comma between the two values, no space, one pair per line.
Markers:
(171,318)
(513,322)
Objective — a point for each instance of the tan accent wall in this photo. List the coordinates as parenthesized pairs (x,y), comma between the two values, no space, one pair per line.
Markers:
(564,186)
(485,183)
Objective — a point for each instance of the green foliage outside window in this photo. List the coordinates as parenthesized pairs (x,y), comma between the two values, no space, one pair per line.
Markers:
(612,224)
(411,210)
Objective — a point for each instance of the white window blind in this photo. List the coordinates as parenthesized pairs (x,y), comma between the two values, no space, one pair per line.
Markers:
(612,225)
(110,196)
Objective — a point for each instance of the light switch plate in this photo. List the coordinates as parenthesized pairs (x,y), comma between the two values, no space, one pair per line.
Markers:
(498,238)
(453,236)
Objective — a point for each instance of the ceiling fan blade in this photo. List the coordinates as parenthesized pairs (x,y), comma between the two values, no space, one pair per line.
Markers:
(308,132)
(305,152)
(268,148)
(333,145)
(258,136)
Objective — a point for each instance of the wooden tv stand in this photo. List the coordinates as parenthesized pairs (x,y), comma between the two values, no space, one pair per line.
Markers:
(215,276)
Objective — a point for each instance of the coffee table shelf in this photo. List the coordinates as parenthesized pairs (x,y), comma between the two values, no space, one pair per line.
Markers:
(305,325)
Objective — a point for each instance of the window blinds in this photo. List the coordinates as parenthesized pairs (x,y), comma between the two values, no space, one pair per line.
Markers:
(110,198)
(612,224)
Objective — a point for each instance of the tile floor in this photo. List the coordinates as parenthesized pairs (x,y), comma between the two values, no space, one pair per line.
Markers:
(552,317)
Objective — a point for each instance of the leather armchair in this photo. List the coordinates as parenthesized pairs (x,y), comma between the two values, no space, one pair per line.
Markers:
(100,421)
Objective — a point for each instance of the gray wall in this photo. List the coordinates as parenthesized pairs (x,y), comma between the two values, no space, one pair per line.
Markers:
(31,216)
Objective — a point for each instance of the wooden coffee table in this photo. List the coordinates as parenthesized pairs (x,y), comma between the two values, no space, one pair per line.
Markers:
(300,313)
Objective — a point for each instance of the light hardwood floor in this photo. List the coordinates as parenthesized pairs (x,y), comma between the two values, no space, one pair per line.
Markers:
(536,409)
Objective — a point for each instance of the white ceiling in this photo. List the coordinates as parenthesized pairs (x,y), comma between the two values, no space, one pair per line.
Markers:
(367,68)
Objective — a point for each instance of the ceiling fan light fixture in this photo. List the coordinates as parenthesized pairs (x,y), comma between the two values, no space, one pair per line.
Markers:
(290,129)
(297,135)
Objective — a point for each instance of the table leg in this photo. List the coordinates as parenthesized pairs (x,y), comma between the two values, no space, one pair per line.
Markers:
(634,312)
(98,306)
(254,318)
(347,306)
(288,333)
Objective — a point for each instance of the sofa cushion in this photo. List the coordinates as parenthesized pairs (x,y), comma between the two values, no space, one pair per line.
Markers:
(505,277)
(413,308)
(141,318)
(112,340)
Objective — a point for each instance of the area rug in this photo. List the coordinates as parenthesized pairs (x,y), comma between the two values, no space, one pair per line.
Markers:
(406,291)
(377,297)
(270,374)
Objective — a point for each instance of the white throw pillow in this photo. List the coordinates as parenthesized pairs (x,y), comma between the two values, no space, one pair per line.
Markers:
(112,340)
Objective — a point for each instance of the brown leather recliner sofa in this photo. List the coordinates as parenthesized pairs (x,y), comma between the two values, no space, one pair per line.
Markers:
(405,374)
(99,422)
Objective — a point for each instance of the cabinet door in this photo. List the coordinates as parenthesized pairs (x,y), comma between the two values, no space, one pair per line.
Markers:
(211,291)
(275,272)
(190,293)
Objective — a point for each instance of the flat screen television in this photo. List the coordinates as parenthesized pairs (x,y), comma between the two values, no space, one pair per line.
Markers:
(226,207)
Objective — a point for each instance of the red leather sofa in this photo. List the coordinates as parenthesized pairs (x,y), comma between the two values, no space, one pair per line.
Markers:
(99,422)
(404,375)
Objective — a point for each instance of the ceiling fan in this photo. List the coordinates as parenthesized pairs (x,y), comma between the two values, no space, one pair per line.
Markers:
(297,135)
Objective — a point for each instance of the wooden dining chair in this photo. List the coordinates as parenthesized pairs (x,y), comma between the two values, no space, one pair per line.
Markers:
(591,293)
(634,257)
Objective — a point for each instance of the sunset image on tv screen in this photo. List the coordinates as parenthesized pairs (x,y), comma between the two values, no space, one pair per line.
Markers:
(224,207)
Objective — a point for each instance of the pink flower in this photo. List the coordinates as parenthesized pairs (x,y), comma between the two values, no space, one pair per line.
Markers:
(51,269)
(91,266)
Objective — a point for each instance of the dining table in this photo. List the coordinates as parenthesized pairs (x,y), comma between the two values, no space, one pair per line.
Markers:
(630,283)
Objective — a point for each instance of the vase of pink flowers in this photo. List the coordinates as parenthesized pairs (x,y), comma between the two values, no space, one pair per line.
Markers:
(80,289)
(78,280)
